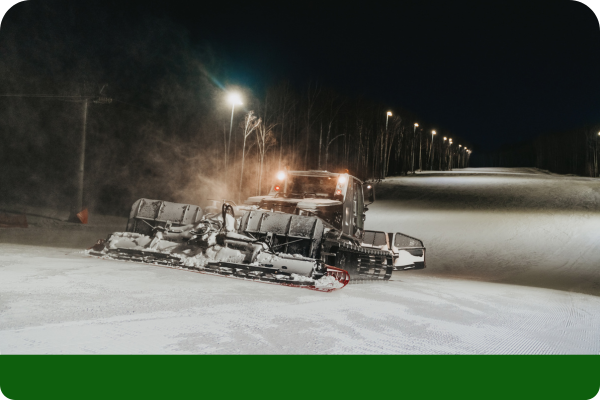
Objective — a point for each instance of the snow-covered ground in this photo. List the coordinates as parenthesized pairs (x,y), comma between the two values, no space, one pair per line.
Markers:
(519,226)
(491,236)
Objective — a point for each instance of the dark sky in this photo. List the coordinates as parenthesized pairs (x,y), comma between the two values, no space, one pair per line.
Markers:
(492,72)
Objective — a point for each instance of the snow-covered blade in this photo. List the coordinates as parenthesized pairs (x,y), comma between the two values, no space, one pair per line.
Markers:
(148,214)
(332,278)
(213,246)
(408,252)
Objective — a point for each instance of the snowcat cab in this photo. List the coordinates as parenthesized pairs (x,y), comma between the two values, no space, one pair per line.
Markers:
(335,198)
(338,199)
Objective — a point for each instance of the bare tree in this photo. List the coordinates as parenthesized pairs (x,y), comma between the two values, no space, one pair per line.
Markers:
(251,122)
(312,94)
(327,149)
(265,139)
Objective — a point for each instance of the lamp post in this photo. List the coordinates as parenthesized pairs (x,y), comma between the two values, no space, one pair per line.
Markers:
(443,151)
(416,125)
(450,152)
(459,149)
(596,157)
(388,115)
(431,151)
(420,150)
(234,99)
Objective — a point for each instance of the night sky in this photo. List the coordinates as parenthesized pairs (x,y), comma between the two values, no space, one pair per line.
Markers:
(493,72)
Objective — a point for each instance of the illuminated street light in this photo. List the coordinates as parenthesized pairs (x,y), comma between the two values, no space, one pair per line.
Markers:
(235,100)
(431,152)
(389,114)
(450,148)
(412,148)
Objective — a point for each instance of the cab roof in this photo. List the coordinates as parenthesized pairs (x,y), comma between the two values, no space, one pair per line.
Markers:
(318,173)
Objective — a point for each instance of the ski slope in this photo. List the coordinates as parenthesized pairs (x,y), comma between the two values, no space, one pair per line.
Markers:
(520,226)
(512,269)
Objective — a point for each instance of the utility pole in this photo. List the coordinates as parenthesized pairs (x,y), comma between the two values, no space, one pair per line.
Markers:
(78,206)
(80,171)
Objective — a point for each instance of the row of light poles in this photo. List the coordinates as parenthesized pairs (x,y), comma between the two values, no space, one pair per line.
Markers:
(235,100)
(466,151)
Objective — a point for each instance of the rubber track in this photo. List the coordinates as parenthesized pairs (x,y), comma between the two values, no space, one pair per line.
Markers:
(369,265)
(228,270)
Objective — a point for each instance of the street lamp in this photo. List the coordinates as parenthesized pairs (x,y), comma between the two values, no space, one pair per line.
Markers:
(596,156)
(450,151)
(235,100)
(416,125)
(431,151)
(444,152)
(389,114)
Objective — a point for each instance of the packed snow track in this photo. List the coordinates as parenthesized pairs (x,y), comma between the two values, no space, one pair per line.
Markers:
(512,269)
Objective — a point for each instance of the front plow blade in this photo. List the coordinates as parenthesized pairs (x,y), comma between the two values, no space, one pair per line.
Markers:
(148,214)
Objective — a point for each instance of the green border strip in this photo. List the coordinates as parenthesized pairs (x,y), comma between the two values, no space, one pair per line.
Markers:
(301,377)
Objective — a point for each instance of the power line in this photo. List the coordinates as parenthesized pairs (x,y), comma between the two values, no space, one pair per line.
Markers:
(95,99)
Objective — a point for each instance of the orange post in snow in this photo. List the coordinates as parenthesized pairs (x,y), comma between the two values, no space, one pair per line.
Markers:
(83,216)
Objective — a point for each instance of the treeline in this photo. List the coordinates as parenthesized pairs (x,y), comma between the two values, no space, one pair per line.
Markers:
(568,152)
(319,128)
(189,148)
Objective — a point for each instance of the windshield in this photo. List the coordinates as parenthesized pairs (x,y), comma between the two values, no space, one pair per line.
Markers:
(374,238)
(317,186)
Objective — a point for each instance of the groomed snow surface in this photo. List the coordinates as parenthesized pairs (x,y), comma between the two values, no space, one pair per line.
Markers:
(513,261)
